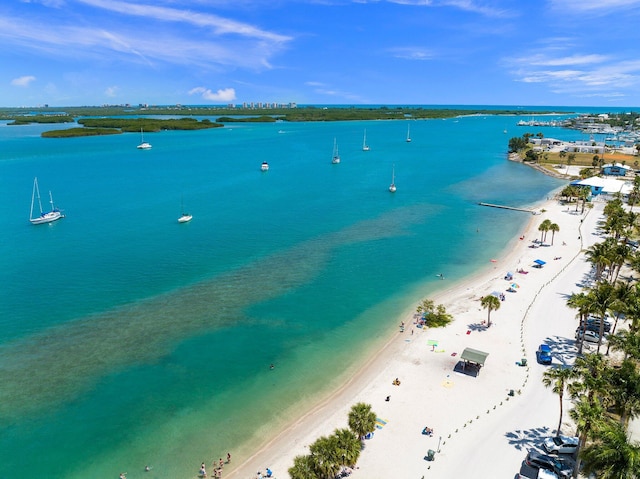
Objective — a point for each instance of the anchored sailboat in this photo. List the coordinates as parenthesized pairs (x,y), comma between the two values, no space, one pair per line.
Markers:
(185,217)
(143,145)
(392,188)
(49,217)
(336,157)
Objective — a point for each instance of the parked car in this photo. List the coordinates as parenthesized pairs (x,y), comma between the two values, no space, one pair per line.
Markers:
(589,336)
(560,445)
(559,466)
(544,354)
(594,324)
(539,474)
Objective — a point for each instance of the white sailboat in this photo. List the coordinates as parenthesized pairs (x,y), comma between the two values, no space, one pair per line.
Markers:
(365,147)
(143,145)
(49,217)
(392,187)
(408,134)
(336,157)
(185,217)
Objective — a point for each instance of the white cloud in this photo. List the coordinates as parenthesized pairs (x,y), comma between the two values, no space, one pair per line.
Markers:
(224,95)
(565,61)
(23,81)
(412,53)
(111,91)
(606,7)
(219,24)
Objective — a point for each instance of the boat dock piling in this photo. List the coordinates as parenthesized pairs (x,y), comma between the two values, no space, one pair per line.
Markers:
(526,210)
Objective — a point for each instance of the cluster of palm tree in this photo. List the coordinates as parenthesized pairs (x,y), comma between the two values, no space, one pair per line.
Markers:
(329,454)
(606,389)
(545,227)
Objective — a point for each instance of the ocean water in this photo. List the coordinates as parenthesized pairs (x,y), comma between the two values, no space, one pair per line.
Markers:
(128,339)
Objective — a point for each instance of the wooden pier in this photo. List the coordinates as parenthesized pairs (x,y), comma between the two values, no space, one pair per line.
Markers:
(504,207)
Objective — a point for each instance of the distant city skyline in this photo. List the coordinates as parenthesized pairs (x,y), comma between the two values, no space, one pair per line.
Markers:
(360,52)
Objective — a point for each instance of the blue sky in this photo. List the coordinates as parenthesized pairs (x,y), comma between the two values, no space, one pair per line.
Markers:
(499,52)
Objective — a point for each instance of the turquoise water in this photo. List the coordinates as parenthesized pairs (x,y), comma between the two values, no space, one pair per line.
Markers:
(129,339)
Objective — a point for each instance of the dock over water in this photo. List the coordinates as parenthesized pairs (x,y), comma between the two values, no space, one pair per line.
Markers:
(504,207)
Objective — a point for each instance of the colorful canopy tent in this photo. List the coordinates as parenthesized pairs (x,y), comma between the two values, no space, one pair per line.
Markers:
(474,358)
(539,263)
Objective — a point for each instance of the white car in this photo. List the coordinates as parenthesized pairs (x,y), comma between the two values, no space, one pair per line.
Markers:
(589,336)
(560,445)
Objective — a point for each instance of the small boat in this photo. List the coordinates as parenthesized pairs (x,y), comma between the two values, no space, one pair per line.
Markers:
(365,147)
(392,187)
(264,166)
(336,157)
(51,216)
(185,217)
(143,145)
(408,134)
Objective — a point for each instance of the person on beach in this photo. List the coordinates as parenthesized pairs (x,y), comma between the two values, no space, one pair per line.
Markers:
(203,470)
(228,457)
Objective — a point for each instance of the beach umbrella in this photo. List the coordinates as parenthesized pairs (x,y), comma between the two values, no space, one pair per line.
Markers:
(497,294)
(515,285)
(540,262)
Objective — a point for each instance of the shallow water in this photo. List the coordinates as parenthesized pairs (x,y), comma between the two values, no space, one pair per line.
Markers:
(129,339)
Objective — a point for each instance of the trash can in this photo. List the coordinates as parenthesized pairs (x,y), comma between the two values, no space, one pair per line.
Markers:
(431,454)
(523,362)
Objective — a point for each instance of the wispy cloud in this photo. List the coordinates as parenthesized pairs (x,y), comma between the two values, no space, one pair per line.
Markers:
(412,53)
(578,74)
(607,7)
(23,81)
(219,25)
(224,95)
(483,8)
(135,45)
(111,91)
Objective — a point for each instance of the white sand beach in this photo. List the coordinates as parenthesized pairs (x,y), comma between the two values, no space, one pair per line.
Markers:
(479,429)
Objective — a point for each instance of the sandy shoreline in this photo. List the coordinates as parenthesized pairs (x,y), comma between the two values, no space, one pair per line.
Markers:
(460,408)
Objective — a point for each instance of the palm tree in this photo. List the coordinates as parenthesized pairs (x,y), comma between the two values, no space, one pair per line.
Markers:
(543,228)
(624,293)
(624,390)
(589,371)
(303,468)
(557,379)
(601,297)
(554,228)
(326,457)
(362,420)
(349,446)
(582,303)
(490,303)
(587,415)
(612,455)
(628,342)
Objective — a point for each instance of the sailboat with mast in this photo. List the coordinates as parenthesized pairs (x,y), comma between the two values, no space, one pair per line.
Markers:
(51,216)
(392,187)
(336,157)
(408,134)
(365,147)
(185,217)
(143,145)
